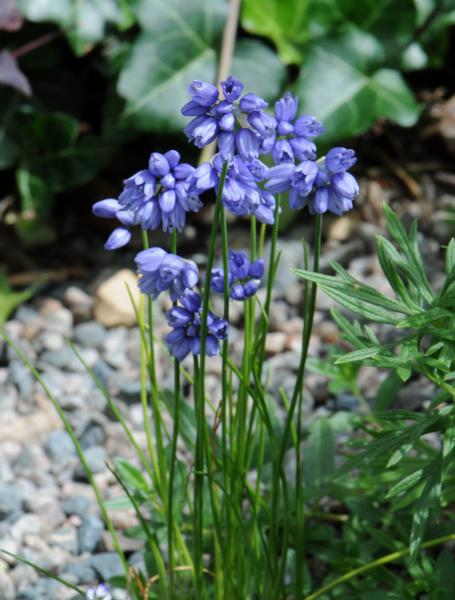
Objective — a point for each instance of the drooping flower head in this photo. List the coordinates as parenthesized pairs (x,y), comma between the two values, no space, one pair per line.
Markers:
(324,185)
(244,277)
(161,271)
(239,124)
(335,188)
(101,592)
(293,136)
(242,195)
(111,209)
(152,197)
(185,321)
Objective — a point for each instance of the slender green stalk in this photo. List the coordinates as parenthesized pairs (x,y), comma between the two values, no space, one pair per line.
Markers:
(175,436)
(377,563)
(154,394)
(199,390)
(145,406)
(152,370)
(307,328)
(270,280)
(253,242)
(298,504)
(225,398)
(198,506)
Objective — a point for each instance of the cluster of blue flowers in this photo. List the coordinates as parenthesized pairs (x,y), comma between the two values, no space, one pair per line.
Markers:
(244,277)
(164,192)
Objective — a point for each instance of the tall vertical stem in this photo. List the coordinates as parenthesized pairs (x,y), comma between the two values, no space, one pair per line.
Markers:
(199,379)
(175,435)
(296,395)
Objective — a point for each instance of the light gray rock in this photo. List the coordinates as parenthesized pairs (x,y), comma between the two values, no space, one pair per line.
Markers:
(11,500)
(90,334)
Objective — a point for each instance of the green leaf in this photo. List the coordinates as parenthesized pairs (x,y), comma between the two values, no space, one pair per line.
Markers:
(342,86)
(36,197)
(319,463)
(387,392)
(359,355)
(357,297)
(429,498)
(392,22)
(285,23)
(450,256)
(9,150)
(55,157)
(445,575)
(259,68)
(131,476)
(10,300)
(409,246)
(177,45)
(405,484)
(85,21)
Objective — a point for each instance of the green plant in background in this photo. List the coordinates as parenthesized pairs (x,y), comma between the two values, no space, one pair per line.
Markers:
(348,59)
(422,473)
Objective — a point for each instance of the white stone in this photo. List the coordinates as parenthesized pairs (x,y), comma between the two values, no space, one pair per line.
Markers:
(112,302)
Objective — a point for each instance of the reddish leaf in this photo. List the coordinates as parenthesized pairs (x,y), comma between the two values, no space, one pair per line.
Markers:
(11,75)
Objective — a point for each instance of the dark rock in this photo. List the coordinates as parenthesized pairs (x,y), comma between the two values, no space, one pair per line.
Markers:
(107,565)
(59,447)
(103,372)
(76,505)
(89,534)
(93,435)
(79,573)
(96,457)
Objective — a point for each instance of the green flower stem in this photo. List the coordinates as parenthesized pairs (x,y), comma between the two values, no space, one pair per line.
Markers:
(175,436)
(159,457)
(377,563)
(199,393)
(152,371)
(145,404)
(296,398)
(225,394)
(253,236)
(270,281)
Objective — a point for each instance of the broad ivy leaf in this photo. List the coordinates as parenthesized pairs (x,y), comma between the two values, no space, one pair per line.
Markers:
(391,22)
(285,23)
(176,46)
(54,152)
(341,85)
(84,20)
(259,68)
